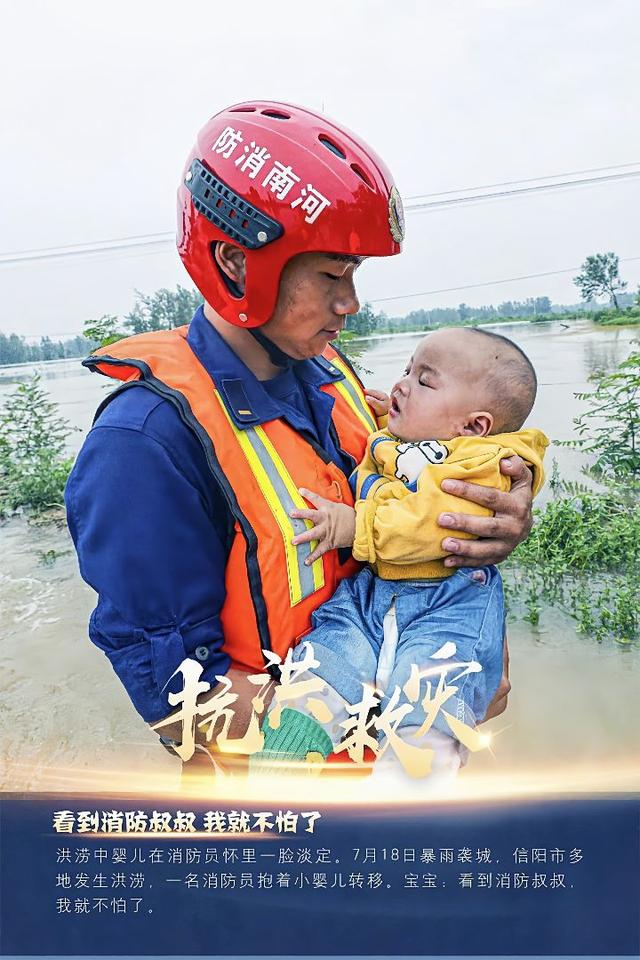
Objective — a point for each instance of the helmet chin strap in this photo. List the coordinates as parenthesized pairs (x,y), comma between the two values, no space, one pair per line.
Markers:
(276,355)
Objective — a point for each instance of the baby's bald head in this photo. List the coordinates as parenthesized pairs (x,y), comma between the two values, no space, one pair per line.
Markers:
(510,381)
(463,380)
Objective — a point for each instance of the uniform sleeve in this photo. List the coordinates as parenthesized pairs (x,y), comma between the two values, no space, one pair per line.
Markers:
(366,477)
(149,547)
(397,525)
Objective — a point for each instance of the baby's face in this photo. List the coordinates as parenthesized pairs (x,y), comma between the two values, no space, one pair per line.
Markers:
(441,389)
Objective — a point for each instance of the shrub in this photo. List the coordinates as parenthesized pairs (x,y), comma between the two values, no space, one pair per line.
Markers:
(33,468)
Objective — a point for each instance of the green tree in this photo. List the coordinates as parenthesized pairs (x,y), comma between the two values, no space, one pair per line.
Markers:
(363,322)
(419,319)
(47,348)
(103,331)
(13,349)
(600,277)
(506,309)
(77,347)
(162,310)
(542,305)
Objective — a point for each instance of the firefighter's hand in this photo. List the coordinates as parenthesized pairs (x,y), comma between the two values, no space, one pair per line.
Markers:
(334,525)
(498,535)
(242,709)
(378,400)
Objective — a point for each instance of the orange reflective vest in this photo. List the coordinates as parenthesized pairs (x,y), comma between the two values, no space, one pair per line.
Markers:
(270,592)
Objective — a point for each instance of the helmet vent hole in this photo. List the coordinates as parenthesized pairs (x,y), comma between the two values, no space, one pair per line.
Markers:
(276,114)
(359,172)
(330,145)
(243,110)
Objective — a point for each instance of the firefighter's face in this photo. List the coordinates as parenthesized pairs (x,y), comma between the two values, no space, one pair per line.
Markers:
(316,295)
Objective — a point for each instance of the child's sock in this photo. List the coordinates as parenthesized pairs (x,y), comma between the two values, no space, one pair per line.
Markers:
(297,736)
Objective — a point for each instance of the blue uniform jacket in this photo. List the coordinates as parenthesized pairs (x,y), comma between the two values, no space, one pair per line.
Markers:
(152,529)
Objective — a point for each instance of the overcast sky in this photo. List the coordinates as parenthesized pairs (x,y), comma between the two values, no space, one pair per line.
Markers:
(101,103)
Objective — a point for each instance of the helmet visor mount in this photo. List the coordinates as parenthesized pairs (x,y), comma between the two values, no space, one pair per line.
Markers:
(243,223)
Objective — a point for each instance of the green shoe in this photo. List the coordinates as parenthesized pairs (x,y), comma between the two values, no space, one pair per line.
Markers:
(297,736)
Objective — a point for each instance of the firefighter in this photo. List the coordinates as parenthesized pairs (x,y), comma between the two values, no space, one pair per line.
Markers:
(179,502)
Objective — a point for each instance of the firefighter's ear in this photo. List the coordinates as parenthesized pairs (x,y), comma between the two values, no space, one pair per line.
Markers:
(231,263)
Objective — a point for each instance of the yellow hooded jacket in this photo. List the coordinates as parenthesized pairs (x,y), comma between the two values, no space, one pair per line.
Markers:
(399,498)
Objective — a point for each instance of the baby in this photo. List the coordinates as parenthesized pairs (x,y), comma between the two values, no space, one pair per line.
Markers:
(456,412)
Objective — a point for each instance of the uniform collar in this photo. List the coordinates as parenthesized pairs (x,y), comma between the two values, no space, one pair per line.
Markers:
(244,396)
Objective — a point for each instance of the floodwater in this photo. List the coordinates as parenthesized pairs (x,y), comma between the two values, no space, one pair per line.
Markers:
(574,701)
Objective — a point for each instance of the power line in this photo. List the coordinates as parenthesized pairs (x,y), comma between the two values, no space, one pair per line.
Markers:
(157,239)
(486,283)
(510,183)
(82,249)
(520,191)
(68,246)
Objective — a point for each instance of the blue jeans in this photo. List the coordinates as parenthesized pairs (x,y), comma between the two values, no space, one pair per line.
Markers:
(465,610)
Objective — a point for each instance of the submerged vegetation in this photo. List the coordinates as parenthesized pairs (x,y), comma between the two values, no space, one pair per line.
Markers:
(628,317)
(583,554)
(33,465)
(609,429)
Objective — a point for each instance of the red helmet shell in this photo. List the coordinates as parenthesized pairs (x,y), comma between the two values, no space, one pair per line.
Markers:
(329,191)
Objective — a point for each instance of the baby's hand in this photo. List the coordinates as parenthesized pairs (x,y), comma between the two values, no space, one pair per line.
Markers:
(379,401)
(334,525)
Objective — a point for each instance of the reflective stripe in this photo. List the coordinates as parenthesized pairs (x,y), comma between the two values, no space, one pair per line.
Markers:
(350,389)
(282,496)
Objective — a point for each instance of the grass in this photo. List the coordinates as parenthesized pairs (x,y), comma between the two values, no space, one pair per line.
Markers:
(583,556)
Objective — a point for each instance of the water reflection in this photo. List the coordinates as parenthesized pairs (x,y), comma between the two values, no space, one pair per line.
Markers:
(604,355)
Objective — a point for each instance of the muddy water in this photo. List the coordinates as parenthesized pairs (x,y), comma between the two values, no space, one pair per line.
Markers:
(61,707)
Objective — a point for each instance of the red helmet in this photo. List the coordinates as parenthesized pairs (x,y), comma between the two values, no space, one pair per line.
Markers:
(279,180)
